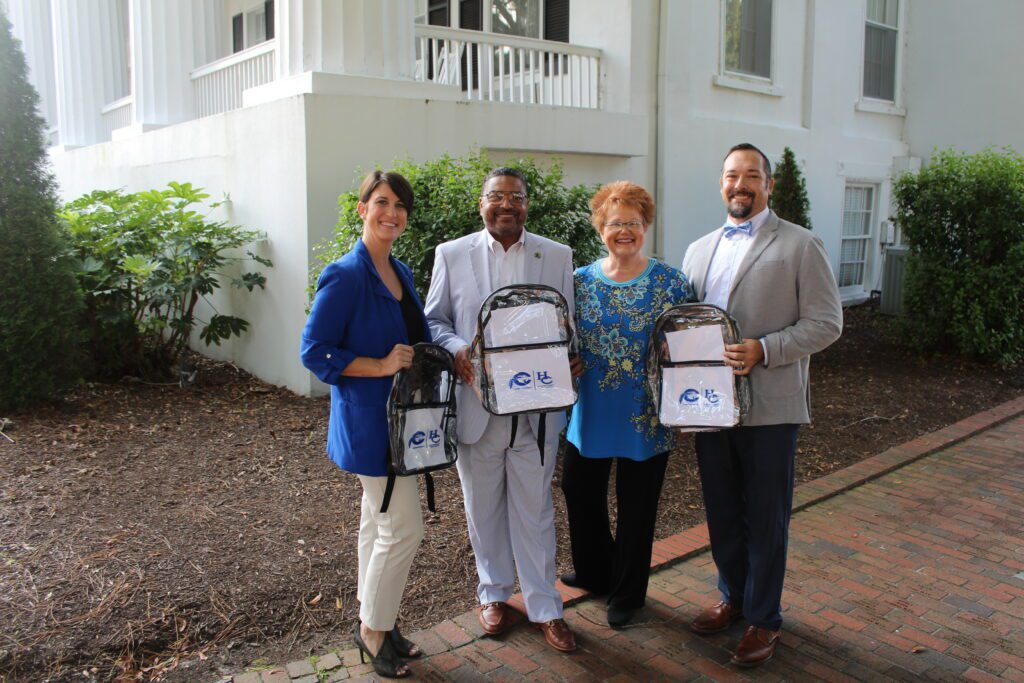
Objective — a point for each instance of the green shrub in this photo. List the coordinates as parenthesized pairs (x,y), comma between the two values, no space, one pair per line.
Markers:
(446,194)
(963,218)
(145,260)
(39,299)
(789,198)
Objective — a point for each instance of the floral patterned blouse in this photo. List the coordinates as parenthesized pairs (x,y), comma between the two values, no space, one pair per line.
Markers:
(615,415)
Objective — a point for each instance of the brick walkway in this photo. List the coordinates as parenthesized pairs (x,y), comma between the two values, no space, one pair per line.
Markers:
(909,565)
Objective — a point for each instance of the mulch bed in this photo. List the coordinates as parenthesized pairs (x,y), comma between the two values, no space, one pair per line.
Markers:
(157,531)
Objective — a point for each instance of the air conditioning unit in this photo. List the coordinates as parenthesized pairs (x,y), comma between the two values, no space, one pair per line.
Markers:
(893,271)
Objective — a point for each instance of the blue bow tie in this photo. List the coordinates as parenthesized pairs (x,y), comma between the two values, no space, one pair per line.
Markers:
(731,230)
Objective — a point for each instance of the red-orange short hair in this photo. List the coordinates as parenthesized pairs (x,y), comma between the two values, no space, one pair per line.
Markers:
(623,193)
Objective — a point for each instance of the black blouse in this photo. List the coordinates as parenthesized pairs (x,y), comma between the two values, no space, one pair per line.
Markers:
(413,317)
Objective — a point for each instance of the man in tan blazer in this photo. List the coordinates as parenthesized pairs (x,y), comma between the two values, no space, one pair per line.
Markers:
(774,279)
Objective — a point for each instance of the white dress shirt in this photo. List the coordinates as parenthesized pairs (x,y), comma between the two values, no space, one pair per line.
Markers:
(726,261)
(506,267)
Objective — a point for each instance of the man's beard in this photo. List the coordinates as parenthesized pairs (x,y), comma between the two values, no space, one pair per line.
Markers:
(740,210)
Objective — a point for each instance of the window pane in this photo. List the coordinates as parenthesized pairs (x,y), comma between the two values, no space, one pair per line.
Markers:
(851,274)
(880,62)
(516,17)
(748,36)
(255,28)
(884,12)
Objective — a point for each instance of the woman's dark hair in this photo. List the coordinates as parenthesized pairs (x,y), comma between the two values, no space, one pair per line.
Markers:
(396,181)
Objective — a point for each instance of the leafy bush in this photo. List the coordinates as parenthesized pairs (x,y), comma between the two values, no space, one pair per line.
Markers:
(963,218)
(789,199)
(446,194)
(145,260)
(39,299)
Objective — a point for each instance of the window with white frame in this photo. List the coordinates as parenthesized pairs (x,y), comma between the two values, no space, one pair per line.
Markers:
(547,19)
(747,39)
(252,27)
(858,220)
(881,37)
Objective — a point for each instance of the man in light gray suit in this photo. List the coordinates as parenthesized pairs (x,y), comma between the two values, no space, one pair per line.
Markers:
(774,279)
(505,482)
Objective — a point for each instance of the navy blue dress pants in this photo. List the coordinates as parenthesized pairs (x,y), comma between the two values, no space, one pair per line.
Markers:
(746,474)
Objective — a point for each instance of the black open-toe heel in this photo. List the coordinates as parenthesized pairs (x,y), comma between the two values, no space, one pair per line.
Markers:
(386,662)
(403,646)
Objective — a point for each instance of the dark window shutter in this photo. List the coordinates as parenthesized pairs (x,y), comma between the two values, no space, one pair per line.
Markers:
(556,20)
(268,13)
(437,13)
(237,37)
(471,15)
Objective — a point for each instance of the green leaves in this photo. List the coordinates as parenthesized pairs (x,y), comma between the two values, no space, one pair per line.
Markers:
(963,217)
(149,258)
(447,191)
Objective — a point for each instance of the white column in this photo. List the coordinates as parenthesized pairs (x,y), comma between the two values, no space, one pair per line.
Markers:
(378,38)
(90,60)
(359,37)
(168,40)
(32,26)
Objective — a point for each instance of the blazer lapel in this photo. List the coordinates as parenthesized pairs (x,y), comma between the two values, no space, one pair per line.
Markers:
(704,265)
(533,256)
(765,235)
(478,261)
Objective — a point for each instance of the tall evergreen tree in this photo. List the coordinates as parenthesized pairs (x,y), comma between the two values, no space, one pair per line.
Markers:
(789,199)
(39,298)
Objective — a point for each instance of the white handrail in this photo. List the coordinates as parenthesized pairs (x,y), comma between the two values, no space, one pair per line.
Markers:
(117,114)
(500,68)
(218,86)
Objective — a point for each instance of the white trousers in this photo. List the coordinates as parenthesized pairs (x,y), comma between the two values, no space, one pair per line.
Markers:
(511,515)
(387,545)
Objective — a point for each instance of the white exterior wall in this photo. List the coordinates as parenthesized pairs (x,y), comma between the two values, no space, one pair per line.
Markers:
(256,156)
(964,90)
(817,78)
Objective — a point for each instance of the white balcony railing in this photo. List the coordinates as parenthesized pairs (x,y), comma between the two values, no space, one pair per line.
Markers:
(219,85)
(117,114)
(500,68)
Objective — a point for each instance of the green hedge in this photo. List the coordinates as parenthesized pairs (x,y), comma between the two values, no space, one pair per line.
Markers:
(446,194)
(963,218)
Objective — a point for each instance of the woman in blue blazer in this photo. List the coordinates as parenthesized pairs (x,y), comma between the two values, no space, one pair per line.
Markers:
(365,318)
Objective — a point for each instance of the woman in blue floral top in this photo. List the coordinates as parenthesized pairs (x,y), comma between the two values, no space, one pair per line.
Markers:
(618,299)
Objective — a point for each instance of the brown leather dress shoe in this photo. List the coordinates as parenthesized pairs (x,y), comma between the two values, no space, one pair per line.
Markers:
(558,635)
(756,647)
(494,618)
(716,618)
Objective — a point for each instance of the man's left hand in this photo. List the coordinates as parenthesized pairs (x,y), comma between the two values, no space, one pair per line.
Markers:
(744,356)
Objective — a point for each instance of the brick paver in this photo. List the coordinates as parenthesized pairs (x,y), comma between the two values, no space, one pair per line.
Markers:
(906,566)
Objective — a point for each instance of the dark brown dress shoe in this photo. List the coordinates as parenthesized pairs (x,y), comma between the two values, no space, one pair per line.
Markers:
(558,635)
(716,618)
(494,618)
(756,647)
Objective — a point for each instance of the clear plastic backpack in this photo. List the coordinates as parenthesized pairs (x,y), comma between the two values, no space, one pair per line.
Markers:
(521,352)
(421,419)
(693,388)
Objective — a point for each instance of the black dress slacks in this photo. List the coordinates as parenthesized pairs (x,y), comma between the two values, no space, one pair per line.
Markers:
(618,566)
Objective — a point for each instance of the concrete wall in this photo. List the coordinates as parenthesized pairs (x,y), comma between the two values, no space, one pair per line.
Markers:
(257,157)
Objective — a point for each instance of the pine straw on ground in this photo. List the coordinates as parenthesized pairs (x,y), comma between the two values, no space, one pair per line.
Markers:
(154,531)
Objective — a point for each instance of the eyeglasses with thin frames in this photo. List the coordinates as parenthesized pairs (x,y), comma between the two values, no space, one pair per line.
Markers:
(498,197)
(630,225)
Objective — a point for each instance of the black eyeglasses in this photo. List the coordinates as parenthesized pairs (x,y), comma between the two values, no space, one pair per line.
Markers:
(498,197)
